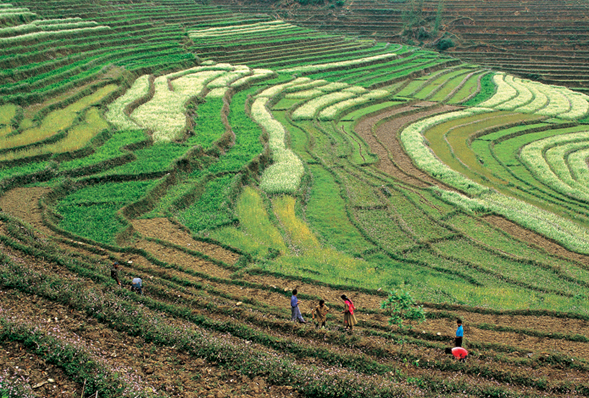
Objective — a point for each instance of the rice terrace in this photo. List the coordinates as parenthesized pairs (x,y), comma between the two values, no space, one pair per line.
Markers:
(228,152)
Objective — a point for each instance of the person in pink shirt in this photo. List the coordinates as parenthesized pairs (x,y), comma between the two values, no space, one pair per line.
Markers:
(458,352)
(349,317)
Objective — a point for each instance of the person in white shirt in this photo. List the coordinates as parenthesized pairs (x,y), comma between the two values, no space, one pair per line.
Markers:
(137,286)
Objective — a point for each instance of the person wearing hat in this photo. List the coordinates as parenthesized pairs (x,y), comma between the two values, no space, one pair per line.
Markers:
(114,272)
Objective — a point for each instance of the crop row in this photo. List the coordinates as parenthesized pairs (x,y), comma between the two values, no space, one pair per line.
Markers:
(500,153)
(284,175)
(231,353)
(331,112)
(164,114)
(76,358)
(218,34)
(423,157)
(526,96)
(54,124)
(117,113)
(251,334)
(538,156)
(415,225)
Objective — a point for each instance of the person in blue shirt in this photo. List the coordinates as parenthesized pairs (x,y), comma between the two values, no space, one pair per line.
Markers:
(294,306)
(459,333)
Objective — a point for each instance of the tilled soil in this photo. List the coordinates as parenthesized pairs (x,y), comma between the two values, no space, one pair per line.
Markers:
(162,368)
(181,375)
(426,355)
(446,326)
(400,166)
(171,255)
(388,132)
(45,379)
(162,228)
(23,203)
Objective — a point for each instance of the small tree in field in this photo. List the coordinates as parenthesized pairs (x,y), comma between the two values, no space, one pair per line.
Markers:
(401,308)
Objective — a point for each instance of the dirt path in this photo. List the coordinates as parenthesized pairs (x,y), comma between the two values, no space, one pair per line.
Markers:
(175,256)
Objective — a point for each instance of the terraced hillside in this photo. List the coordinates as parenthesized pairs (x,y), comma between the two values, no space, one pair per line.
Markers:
(537,39)
(227,159)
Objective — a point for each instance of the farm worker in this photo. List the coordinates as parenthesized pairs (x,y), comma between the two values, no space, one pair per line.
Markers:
(459,333)
(294,306)
(137,285)
(321,312)
(349,317)
(458,352)
(114,272)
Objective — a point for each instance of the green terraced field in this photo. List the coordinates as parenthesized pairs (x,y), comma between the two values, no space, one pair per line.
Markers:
(228,158)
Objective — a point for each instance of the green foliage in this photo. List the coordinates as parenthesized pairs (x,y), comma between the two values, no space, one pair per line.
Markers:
(122,192)
(256,234)
(413,14)
(439,15)
(327,214)
(91,212)
(98,222)
(402,308)
(488,88)
(209,126)
(247,136)
(111,149)
(212,208)
(157,158)
(445,44)
(311,2)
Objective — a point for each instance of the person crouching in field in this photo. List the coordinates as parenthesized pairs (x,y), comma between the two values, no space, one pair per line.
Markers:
(459,334)
(296,312)
(321,313)
(349,317)
(458,352)
(137,286)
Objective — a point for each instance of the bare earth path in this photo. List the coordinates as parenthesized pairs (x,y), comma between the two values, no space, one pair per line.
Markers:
(383,141)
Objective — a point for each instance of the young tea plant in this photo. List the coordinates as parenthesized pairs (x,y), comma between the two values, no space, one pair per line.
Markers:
(402,310)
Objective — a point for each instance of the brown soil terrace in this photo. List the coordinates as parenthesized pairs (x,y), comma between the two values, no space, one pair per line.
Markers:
(18,362)
(160,367)
(383,140)
(175,372)
(164,229)
(27,197)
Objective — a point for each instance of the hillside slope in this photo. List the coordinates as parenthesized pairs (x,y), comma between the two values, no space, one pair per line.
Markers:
(538,39)
(228,158)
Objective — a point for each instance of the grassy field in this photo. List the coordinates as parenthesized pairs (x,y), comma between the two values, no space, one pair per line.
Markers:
(228,158)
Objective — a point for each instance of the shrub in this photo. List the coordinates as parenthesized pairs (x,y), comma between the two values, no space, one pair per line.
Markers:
(445,44)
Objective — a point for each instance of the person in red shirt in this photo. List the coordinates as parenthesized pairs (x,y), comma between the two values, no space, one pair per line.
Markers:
(458,352)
